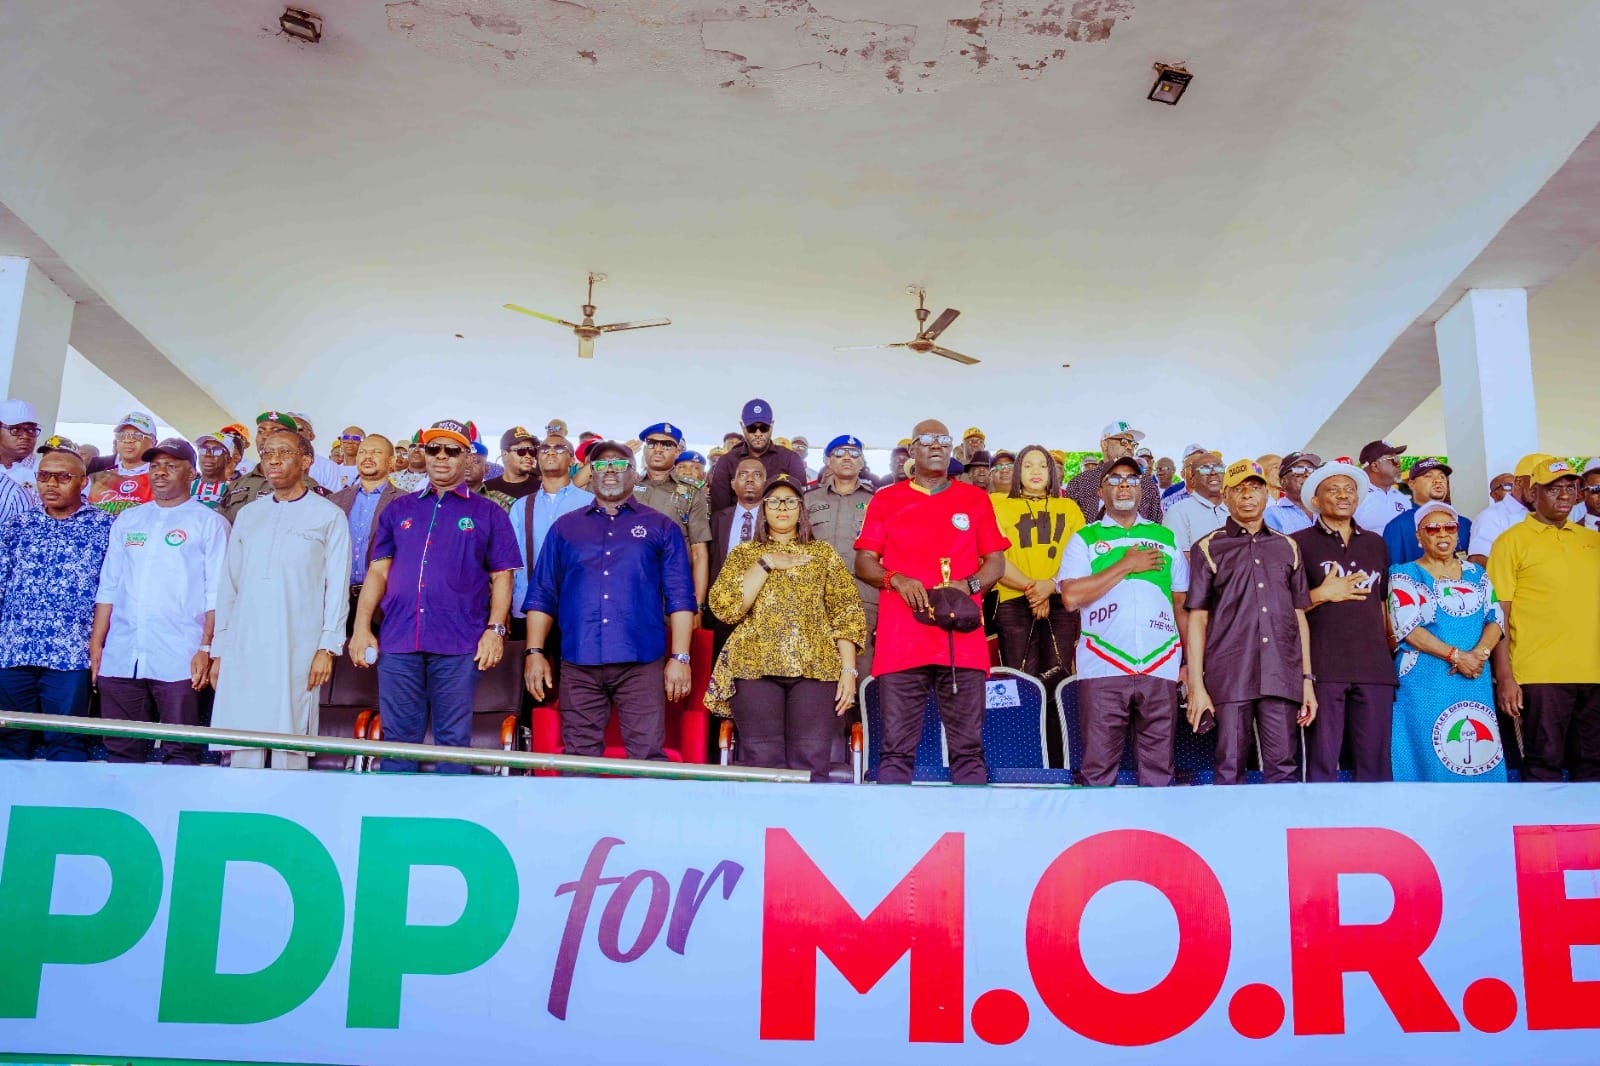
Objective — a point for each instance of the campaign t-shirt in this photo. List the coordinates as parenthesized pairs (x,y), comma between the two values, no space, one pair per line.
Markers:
(1131,630)
(915,533)
(113,492)
(1038,531)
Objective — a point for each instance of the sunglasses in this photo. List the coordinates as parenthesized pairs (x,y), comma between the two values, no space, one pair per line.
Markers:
(1120,480)
(1302,471)
(26,429)
(660,442)
(783,503)
(996,468)
(351,438)
(928,440)
(453,451)
(600,466)
(1210,468)
(217,452)
(1433,529)
(121,438)
(1507,487)
(546,449)
(758,427)
(1591,489)
(58,477)
(846,453)
(523,450)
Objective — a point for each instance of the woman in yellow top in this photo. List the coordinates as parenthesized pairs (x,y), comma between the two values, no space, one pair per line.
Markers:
(789,667)
(1037,632)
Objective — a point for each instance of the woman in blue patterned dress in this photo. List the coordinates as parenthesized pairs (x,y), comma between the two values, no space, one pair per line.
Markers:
(1446,619)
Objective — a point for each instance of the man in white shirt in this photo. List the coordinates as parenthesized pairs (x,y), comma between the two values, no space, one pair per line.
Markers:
(19,432)
(1501,515)
(1380,462)
(149,648)
(1178,491)
(324,471)
(1202,510)
(1288,513)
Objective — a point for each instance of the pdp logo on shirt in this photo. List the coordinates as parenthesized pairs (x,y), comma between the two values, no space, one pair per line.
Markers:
(176,538)
(961,521)
(465,525)
(128,487)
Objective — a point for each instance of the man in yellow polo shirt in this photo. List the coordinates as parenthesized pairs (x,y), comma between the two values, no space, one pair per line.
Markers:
(1546,572)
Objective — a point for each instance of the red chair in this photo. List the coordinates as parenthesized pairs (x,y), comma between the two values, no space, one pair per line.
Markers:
(688,721)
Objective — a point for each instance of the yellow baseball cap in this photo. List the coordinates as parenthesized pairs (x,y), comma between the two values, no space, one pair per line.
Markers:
(974,431)
(1526,464)
(1242,470)
(1551,470)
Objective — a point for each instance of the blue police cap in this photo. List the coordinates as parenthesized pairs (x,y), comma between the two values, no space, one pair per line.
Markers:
(664,429)
(691,457)
(480,447)
(845,440)
(756,412)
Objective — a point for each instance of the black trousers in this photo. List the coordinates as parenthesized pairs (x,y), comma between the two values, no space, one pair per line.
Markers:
(1560,727)
(639,691)
(960,696)
(1275,722)
(128,699)
(1036,645)
(785,723)
(1108,707)
(1362,713)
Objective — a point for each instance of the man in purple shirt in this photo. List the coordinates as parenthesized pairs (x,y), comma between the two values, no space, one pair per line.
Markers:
(441,568)
(615,575)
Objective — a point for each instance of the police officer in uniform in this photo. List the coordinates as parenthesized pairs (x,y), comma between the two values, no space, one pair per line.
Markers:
(661,489)
(836,510)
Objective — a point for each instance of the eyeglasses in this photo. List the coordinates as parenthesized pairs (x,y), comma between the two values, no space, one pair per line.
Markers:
(274,454)
(1210,468)
(523,450)
(452,451)
(1120,480)
(546,449)
(1301,471)
(783,503)
(1433,529)
(1591,489)
(660,442)
(1128,441)
(121,438)
(758,427)
(928,440)
(600,466)
(59,477)
(846,453)
(23,429)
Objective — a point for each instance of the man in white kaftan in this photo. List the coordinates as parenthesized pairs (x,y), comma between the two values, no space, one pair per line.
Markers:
(281,608)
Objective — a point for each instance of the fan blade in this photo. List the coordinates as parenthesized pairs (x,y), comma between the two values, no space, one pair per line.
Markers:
(965,360)
(870,347)
(585,347)
(643,323)
(537,314)
(940,324)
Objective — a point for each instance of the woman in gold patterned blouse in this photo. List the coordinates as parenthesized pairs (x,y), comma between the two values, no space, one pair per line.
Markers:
(789,668)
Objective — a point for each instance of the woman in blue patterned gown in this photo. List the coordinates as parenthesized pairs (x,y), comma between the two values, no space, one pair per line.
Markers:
(1446,619)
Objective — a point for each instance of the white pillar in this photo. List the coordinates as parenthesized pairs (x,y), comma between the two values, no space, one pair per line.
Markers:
(1486,368)
(35,325)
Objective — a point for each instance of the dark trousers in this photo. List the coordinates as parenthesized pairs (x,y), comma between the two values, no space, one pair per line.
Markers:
(1560,727)
(37,690)
(786,723)
(1364,714)
(139,699)
(905,694)
(639,691)
(1036,645)
(1106,708)
(416,686)
(1274,723)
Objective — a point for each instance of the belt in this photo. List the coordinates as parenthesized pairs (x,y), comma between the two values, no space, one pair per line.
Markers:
(355,588)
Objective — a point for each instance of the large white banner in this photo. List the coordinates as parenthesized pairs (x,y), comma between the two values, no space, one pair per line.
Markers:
(255,915)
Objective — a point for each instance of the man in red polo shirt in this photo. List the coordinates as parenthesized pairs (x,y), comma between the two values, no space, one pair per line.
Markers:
(918,534)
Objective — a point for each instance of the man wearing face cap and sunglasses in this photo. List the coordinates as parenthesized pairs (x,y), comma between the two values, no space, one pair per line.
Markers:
(756,418)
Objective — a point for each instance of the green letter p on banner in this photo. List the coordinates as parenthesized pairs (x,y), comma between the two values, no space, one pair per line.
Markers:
(31,936)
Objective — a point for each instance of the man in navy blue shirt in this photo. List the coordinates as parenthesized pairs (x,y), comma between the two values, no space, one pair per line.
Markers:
(1428,479)
(612,575)
(441,568)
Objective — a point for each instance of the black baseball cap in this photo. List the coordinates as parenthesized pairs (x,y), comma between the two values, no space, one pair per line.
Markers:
(1127,462)
(176,447)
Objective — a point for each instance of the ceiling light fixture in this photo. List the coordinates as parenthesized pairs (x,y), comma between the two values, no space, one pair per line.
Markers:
(301,24)
(1171,81)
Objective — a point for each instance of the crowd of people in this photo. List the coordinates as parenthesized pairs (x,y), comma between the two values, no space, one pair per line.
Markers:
(1329,615)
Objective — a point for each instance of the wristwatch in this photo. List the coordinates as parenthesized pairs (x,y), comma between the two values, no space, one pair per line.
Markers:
(533,651)
(974,586)
(497,629)
(1309,677)
(762,560)
(682,657)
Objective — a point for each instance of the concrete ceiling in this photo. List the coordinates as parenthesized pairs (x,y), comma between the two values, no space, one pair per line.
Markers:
(311,225)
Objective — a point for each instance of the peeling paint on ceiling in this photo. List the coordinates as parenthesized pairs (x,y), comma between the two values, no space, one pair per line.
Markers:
(805,53)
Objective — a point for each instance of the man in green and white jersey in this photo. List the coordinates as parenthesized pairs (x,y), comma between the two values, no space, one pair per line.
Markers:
(1126,577)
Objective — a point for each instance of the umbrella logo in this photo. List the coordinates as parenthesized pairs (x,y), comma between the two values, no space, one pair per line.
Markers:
(1458,598)
(1466,738)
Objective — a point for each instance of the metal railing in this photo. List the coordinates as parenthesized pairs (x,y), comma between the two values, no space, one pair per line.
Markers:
(514,760)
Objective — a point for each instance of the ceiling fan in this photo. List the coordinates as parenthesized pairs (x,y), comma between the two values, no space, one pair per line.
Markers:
(586,330)
(927,334)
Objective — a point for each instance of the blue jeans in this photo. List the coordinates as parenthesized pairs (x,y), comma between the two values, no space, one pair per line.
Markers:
(37,690)
(414,686)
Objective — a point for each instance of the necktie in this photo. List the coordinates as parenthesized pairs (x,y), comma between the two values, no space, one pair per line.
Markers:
(747,529)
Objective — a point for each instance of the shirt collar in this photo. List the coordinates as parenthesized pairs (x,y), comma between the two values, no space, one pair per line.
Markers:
(460,489)
(625,505)
(1355,527)
(1234,529)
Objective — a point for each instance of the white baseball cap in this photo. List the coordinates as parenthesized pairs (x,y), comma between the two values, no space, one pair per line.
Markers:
(1118,429)
(1592,465)
(140,421)
(1427,507)
(1195,449)
(18,412)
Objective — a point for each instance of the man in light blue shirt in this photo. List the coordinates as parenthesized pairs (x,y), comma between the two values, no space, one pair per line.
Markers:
(556,496)
(1287,514)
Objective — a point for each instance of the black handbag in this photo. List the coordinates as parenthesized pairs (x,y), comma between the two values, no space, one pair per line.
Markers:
(952,609)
